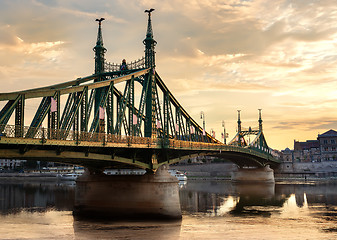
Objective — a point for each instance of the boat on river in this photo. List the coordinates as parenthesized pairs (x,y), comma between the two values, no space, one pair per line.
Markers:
(179,175)
(69,176)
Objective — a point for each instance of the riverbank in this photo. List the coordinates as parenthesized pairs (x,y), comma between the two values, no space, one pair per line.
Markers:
(223,171)
(29,177)
(53,177)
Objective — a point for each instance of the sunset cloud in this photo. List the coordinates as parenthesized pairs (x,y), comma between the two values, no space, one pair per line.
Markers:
(215,56)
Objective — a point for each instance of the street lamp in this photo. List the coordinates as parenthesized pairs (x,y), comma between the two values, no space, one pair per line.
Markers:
(224,132)
(202,116)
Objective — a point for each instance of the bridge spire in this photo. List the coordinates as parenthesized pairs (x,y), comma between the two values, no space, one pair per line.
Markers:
(99,50)
(239,122)
(149,43)
(260,120)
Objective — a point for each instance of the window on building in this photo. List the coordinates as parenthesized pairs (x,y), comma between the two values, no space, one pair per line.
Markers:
(326,149)
(333,141)
(333,148)
(325,141)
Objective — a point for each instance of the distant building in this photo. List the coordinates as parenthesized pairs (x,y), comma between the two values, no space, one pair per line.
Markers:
(10,163)
(287,155)
(308,151)
(328,145)
(322,149)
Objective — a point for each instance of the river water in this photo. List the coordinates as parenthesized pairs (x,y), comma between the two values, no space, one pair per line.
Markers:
(211,210)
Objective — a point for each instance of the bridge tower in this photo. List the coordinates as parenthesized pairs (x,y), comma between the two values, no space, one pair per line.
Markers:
(260,120)
(240,136)
(239,121)
(99,50)
(150,43)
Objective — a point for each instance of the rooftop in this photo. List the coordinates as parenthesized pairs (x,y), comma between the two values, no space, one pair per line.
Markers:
(330,133)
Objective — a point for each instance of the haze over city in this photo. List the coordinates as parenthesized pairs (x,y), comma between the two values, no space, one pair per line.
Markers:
(214,56)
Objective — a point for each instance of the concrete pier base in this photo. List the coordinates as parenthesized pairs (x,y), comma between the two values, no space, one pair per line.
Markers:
(251,175)
(130,196)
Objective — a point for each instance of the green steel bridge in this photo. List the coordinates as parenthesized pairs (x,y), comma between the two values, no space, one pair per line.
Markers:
(122,116)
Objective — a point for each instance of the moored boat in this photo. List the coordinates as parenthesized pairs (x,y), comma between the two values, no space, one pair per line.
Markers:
(69,176)
(179,175)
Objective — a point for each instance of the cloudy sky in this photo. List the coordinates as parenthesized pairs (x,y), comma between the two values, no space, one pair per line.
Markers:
(216,56)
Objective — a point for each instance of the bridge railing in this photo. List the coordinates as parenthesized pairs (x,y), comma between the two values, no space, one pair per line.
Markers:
(44,134)
(114,67)
(12,131)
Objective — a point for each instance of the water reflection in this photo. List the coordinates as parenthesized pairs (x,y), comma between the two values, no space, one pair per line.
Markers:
(86,229)
(34,210)
(213,197)
(257,199)
(35,197)
(220,198)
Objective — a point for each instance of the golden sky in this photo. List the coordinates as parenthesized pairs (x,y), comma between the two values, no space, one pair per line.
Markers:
(215,56)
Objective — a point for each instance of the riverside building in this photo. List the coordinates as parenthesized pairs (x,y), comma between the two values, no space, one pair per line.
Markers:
(321,150)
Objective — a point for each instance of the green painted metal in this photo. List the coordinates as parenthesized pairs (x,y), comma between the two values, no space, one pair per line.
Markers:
(110,109)
(66,109)
(142,102)
(150,107)
(54,117)
(50,91)
(166,116)
(122,108)
(8,110)
(72,127)
(125,125)
(131,101)
(19,116)
(149,43)
(76,124)
(84,112)
(40,115)
(158,111)
(175,103)
(99,50)
(259,144)
(72,114)
(102,103)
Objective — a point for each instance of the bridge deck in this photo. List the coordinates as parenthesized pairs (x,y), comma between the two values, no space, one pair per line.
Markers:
(81,147)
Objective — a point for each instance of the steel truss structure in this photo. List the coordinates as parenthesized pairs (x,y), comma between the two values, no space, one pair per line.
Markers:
(258,144)
(119,101)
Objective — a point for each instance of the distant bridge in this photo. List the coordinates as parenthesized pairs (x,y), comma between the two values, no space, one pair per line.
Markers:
(95,122)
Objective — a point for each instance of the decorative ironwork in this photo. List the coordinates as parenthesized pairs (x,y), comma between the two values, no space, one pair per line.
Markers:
(48,135)
(115,67)
(98,112)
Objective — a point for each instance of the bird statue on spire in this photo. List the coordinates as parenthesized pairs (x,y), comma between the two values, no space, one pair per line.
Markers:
(100,20)
(149,11)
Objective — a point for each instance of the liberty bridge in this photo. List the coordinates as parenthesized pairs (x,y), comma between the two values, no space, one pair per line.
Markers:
(122,116)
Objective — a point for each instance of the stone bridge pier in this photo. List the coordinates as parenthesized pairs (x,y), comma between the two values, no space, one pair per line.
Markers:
(152,195)
(257,175)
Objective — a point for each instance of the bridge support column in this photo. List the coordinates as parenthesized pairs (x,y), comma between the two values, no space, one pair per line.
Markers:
(257,175)
(112,196)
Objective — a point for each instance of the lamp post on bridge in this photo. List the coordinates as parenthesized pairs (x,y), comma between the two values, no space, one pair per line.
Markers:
(260,120)
(202,116)
(225,135)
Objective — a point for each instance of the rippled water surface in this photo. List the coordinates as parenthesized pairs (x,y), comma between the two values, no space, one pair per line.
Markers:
(211,210)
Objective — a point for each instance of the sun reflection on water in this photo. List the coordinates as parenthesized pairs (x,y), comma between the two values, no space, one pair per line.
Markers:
(228,205)
(291,207)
